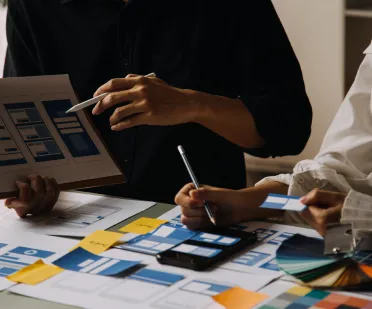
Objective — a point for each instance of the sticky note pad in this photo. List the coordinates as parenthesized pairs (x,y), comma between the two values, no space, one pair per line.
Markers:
(283,202)
(99,241)
(83,261)
(35,273)
(238,298)
(142,226)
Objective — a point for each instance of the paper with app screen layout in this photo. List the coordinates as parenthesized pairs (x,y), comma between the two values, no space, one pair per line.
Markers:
(37,136)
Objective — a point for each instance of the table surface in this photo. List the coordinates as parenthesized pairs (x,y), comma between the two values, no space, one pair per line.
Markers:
(12,301)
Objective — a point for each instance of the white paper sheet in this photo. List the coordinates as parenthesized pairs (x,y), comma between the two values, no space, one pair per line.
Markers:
(18,249)
(192,292)
(36,136)
(75,214)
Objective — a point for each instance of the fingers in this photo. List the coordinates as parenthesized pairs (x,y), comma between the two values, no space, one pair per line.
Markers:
(194,223)
(35,197)
(54,198)
(118,84)
(115,98)
(184,199)
(319,218)
(123,112)
(322,198)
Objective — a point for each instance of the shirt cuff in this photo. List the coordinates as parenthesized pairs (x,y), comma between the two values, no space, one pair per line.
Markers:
(357,200)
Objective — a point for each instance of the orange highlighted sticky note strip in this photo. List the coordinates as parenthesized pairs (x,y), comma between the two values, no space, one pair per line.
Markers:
(238,298)
(99,241)
(142,226)
(35,273)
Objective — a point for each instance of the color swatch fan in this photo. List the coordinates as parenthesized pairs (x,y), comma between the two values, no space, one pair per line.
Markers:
(303,258)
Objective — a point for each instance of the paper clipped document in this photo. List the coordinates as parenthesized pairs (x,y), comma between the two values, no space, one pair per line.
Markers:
(20,249)
(154,286)
(75,214)
(37,136)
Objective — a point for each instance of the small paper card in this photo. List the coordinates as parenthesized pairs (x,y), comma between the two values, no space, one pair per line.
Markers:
(283,202)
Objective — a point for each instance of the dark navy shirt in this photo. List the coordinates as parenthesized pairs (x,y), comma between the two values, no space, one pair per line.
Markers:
(228,48)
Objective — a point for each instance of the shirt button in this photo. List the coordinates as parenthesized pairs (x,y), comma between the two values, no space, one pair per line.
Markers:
(300,180)
(124,61)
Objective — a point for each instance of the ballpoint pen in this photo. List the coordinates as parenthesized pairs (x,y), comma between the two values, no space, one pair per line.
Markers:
(195,181)
(95,100)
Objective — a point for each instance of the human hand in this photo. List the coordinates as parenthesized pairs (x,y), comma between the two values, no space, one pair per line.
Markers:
(150,100)
(224,203)
(37,195)
(324,207)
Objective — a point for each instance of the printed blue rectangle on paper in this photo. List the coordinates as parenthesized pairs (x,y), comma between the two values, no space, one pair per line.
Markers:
(154,243)
(277,241)
(156,277)
(271,265)
(42,254)
(251,258)
(77,140)
(81,260)
(215,239)
(213,288)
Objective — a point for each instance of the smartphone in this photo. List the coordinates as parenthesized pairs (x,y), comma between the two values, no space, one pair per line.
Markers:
(208,248)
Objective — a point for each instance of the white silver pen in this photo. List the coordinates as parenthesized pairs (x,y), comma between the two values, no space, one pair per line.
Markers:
(95,100)
(195,181)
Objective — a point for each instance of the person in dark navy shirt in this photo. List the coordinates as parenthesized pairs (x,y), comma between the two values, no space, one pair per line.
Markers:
(228,82)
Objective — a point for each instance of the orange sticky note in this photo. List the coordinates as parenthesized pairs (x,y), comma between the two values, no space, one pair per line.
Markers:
(99,241)
(35,273)
(142,226)
(238,298)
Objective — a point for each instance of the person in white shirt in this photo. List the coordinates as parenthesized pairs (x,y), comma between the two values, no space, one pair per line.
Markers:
(340,174)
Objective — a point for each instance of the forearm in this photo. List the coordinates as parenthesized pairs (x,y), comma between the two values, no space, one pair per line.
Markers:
(250,199)
(226,117)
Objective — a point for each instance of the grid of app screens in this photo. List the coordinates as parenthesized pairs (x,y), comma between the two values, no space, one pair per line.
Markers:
(172,235)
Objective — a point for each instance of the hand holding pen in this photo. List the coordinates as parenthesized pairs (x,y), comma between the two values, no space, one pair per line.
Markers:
(196,183)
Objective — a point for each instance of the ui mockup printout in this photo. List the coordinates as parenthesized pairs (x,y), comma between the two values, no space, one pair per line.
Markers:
(154,286)
(19,249)
(75,214)
(38,137)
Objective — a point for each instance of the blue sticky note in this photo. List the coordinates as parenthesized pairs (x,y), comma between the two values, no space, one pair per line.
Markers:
(83,261)
(283,202)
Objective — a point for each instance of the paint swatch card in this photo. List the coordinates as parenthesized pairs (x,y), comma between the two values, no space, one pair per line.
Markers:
(302,257)
(81,260)
(283,202)
(300,297)
(163,238)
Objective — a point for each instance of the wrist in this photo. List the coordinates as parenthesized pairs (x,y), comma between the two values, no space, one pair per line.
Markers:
(197,105)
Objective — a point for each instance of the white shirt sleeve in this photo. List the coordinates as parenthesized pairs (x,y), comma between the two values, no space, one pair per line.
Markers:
(345,159)
(344,162)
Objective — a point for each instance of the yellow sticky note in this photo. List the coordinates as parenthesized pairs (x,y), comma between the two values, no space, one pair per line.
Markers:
(99,241)
(35,273)
(238,298)
(142,226)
